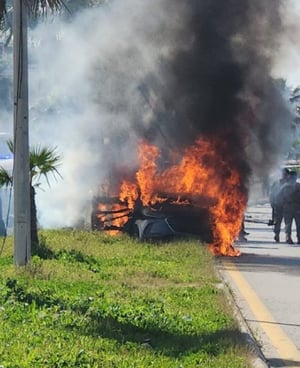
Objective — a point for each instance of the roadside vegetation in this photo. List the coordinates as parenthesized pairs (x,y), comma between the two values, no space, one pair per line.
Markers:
(43,161)
(94,300)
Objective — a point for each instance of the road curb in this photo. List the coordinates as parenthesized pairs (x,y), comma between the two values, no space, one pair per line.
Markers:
(259,360)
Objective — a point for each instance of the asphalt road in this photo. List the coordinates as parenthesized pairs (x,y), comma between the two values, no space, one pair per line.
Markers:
(265,283)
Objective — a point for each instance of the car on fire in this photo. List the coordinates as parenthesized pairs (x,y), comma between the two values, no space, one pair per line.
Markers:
(156,223)
(170,223)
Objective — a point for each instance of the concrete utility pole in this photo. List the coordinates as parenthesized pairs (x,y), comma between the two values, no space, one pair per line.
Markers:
(21,184)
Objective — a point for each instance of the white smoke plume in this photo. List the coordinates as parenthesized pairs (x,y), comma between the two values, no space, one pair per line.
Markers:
(287,62)
(84,77)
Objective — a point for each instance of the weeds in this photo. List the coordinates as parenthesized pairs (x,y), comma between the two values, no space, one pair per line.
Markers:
(100,301)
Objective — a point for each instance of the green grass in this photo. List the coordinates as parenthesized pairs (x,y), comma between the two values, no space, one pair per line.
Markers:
(102,301)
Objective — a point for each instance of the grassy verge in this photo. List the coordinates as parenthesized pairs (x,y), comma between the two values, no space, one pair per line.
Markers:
(101,301)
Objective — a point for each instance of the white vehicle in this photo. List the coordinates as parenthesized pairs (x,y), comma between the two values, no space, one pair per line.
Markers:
(6,156)
(6,201)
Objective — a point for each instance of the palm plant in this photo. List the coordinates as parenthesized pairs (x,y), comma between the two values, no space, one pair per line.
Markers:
(43,161)
(35,7)
(2,10)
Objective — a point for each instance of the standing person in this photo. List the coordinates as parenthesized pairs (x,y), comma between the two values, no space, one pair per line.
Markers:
(291,206)
(266,186)
(276,202)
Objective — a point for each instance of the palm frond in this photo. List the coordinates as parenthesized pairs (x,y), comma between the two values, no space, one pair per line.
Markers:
(10,144)
(35,7)
(43,161)
(2,12)
(5,178)
(40,7)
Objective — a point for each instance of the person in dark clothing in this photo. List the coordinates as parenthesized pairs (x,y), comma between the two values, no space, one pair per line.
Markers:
(276,202)
(290,194)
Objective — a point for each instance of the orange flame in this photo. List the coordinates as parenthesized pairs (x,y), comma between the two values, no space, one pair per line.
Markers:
(203,171)
(112,215)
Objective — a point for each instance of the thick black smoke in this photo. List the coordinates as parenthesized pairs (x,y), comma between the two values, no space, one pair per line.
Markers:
(219,84)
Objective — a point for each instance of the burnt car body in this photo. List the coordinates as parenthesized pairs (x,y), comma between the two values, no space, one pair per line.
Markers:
(159,225)
(161,222)
(153,227)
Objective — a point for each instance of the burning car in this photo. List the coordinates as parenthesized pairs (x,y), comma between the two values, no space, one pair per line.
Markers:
(196,194)
(161,222)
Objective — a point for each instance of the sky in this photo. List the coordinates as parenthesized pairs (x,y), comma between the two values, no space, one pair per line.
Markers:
(287,62)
